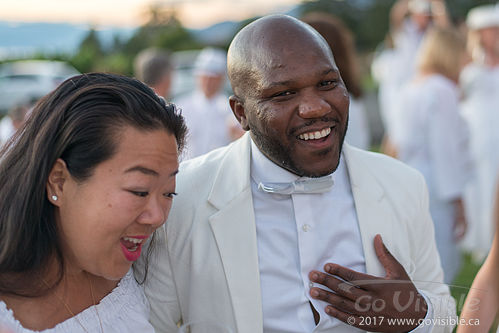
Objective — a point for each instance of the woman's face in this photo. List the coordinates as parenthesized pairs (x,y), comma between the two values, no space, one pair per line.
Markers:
(490,39)
(104,220)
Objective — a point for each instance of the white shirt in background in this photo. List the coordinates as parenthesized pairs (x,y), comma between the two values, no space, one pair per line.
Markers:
(358,133)
(431,136)
(480,109)
(208,122)
(7,129)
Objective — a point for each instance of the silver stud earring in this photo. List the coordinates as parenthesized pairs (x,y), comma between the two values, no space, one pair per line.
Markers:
(54,197)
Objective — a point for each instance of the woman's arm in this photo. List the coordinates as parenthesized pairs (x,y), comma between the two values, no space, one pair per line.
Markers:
(482,302)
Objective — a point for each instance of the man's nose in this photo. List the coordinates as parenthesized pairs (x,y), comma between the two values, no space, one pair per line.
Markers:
(313,105)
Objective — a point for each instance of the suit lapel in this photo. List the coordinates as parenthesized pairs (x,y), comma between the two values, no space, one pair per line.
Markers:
(234,230)
(374,213)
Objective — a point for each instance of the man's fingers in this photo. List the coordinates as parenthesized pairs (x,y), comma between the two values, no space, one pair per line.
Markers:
(346,274)
(348,318)
(393,269)
(338,286)
(339,302)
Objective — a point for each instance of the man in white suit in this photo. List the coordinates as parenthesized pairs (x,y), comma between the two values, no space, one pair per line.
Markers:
(278,232)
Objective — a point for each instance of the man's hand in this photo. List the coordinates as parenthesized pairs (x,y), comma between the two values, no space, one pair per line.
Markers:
(368,302)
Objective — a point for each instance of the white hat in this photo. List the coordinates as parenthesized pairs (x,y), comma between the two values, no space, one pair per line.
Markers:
(420,6)
(483,17)
(211,61)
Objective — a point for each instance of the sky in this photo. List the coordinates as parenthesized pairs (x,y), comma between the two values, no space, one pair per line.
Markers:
(192,13)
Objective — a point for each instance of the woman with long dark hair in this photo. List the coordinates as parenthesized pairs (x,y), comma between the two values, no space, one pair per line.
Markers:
(83,185)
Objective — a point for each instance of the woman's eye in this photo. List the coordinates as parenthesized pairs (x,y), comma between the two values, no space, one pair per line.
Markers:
(170,195)
(140,193)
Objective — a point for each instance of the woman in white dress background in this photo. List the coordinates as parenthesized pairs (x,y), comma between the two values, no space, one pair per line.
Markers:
(83,185)
(430,135)
(480,84)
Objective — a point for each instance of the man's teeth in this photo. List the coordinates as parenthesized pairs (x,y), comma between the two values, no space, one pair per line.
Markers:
(133,240)
(315,135)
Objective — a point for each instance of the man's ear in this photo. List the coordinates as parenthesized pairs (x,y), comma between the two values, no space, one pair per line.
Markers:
(238,109)
(55,181)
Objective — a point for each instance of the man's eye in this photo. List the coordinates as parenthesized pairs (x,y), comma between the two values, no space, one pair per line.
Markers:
(139,193)
(283,93)
(328,83)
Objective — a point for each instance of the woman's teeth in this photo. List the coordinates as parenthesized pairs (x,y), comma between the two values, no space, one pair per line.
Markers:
(133,240)
(315,135)
(133,243)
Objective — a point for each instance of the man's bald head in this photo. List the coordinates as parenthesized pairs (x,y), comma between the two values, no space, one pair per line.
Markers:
(262,44)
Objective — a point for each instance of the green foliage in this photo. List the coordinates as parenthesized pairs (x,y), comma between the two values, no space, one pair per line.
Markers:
(367,20)
(162,30)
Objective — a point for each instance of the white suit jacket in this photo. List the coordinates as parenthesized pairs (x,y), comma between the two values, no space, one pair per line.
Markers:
(205,264)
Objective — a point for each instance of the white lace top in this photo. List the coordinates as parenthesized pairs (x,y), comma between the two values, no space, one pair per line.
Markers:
(125,309)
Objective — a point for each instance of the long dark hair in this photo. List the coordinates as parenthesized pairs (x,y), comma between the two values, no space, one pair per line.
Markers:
(76,122)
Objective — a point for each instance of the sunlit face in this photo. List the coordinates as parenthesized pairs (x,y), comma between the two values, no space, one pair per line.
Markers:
(210,85)
(297,112)
(422,20)
(104,220)
(490,39)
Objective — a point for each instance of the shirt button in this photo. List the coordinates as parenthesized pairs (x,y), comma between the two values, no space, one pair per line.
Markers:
(310,284)
(306,227)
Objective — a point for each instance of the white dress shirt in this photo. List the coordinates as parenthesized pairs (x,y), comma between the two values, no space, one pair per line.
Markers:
(296,234)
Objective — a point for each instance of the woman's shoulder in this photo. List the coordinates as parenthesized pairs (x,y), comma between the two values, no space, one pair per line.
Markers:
(125,309)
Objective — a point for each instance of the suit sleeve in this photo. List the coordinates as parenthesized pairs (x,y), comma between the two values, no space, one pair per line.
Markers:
(428,277)
(160,287)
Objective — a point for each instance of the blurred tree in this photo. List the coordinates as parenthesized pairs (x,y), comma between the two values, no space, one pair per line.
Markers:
(368,20)
(162,29)
(89,53)
(241,25)
(459,8)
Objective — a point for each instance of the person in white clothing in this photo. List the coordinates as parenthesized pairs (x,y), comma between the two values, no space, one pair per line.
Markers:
(480,107)
(153,67)
(266,227)
(206,110)
(87,181)
(394,67)
(12,122)
(432,137)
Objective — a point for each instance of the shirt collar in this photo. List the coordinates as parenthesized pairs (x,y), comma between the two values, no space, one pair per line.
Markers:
(264,170)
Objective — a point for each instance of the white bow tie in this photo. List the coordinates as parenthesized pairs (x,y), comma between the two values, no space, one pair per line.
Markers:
(309,185)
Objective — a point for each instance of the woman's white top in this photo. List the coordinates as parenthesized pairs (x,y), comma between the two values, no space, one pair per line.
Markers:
(480,108)
(431,136)
(125,309)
